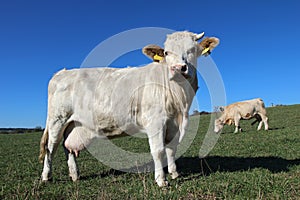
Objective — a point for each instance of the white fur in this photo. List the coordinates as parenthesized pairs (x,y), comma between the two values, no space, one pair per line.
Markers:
(233,113)
(106,102)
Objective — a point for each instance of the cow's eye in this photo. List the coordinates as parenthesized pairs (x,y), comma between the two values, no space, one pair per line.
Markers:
(166,53)
(191,51)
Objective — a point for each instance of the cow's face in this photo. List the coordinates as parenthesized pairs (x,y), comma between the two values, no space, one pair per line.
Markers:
(219,124)
(181,52)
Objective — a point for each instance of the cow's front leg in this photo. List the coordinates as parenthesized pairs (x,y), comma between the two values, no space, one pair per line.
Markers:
(172,141)
(237,125)
(236,130)
(171,151)
(156,143)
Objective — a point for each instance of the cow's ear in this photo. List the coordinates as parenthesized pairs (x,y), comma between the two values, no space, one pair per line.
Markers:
(221,108)
(154,52)
(208,44)
(229,121)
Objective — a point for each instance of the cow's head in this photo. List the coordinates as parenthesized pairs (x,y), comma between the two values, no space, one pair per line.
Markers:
(219,124)
(181,52)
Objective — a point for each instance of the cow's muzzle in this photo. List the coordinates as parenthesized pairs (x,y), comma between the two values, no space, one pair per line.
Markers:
(183,69)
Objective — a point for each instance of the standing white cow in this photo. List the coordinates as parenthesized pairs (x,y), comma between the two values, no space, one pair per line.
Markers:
(233,113)
(84,104)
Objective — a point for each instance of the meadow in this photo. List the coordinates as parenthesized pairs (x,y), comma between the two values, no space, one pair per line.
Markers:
(248,165)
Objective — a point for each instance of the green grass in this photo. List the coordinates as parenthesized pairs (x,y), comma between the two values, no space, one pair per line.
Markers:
(248,165)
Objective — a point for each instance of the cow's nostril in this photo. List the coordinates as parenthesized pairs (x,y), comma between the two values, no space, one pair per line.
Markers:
(183,68)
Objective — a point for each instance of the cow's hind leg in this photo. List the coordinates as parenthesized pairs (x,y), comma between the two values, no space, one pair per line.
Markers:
(260,125)
(73,169)
(264,119)
(55,130)
(71,158)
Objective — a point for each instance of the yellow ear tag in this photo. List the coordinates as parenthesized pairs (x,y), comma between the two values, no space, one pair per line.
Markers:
(157,57)
(205,51)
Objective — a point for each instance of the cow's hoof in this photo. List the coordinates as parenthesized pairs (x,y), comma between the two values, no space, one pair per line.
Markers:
(46,180)
(74,178)
(174,175)
(162,183)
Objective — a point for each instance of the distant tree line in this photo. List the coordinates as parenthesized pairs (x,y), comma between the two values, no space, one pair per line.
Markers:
(196,112)
(20,130)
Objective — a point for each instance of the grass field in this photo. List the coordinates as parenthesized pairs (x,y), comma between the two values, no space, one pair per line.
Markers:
(248,165)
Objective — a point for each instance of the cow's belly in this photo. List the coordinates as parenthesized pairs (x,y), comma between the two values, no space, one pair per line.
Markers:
(247,114)
(81,137)
(117,131)
(106,125)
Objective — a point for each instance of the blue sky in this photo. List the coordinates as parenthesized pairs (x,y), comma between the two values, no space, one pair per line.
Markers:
(258,55)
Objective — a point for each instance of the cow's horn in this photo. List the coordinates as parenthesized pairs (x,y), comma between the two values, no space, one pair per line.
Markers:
(199,36)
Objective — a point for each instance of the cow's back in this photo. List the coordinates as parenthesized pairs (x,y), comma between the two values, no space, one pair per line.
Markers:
(246,109)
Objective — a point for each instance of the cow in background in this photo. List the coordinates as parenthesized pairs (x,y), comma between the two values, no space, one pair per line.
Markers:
(89,103)
(233,113)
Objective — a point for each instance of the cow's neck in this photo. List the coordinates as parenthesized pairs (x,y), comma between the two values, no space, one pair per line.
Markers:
(188,87)
(194,82)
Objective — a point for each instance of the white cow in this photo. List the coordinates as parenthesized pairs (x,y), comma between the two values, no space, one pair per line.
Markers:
(89,103)
(233,113)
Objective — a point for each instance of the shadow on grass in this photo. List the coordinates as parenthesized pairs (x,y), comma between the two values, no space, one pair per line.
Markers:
(111,172)
(275,128)
(228,131)
(188,166)
(208,165)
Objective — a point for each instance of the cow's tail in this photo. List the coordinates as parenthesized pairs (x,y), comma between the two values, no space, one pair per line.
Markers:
(43,143)
(262,103)
(263,107)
